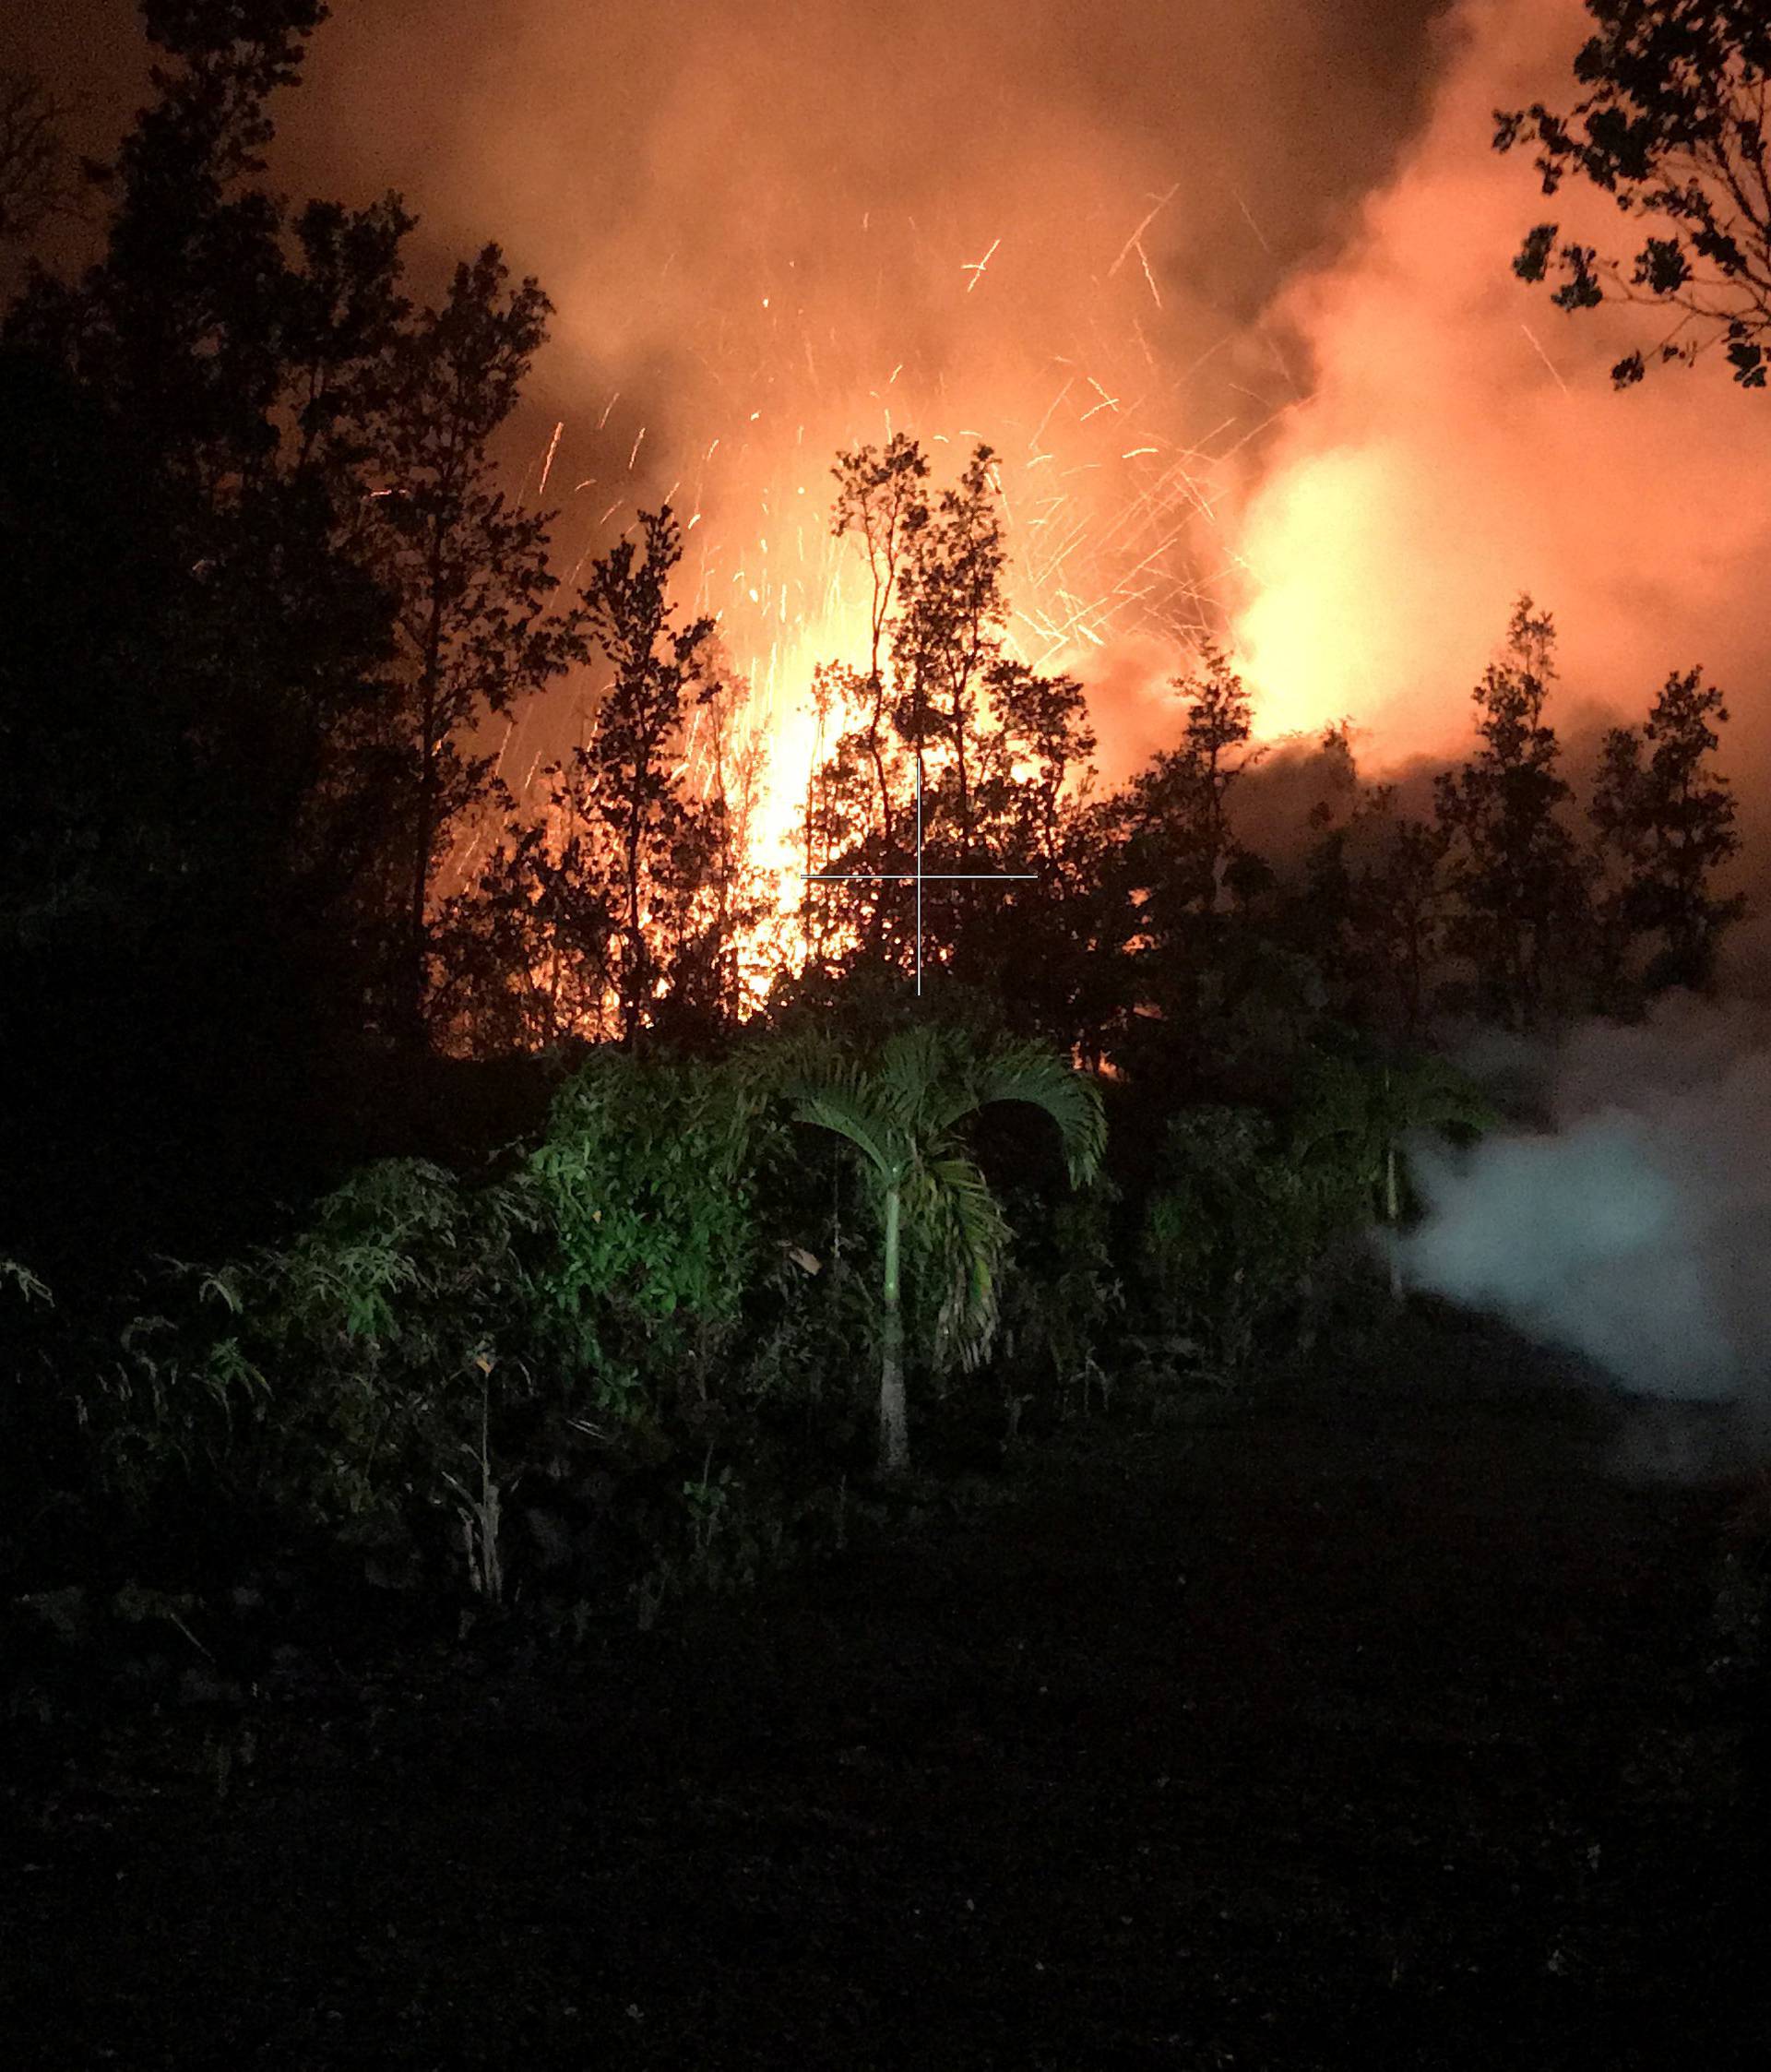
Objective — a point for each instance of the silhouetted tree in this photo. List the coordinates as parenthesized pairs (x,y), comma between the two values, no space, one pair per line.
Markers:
(1664,823)
(880,500)
(191,642)
(1514,868)
(637,834)
(37,171)
(1032,761)
(1398,901)
(468,569)
(999,752)
(1172,950)
(1173,820)
(1673,127)
(949,631)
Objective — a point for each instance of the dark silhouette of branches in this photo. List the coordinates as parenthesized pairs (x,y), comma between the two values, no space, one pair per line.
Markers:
(38,175)
(1673,128)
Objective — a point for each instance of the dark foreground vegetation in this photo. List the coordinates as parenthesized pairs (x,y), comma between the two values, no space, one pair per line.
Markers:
(1366,1719)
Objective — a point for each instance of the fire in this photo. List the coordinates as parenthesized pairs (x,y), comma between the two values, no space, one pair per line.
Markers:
(1102,531)
(1311,639)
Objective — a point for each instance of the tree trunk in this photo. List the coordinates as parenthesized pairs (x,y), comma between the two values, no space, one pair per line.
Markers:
(894,1437)
(631,962)
(418,897)
(873,755)
(1392,1216)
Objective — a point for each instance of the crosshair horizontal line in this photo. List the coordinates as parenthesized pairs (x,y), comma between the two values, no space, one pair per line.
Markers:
(910,877)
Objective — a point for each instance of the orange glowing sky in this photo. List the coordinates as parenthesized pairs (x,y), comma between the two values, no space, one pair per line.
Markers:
(1462,442)
(1228,288)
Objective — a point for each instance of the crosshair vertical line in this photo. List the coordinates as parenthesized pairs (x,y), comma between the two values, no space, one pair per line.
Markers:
(918,874)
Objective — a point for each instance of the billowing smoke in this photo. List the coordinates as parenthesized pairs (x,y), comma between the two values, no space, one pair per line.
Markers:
(1461,441)
(1635,1226)
(773,231)
(1229,288)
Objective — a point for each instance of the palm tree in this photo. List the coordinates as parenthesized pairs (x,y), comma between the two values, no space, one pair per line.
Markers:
(901,1108)
(1359,1112)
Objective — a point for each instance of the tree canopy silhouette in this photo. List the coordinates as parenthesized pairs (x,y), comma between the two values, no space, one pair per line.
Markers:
(1673,127)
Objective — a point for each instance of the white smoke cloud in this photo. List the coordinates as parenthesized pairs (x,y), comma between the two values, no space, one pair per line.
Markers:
(1636,1229)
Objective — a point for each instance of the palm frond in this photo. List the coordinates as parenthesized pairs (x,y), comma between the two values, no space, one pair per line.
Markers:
(964,1237)
(1431,1093)
(848,1111)
(908,1074)
(1038,1075)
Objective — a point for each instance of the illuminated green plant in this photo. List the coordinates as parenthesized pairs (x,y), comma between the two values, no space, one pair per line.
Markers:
(340,1380)
(1357,1113)
(645,1177)
(901,1110)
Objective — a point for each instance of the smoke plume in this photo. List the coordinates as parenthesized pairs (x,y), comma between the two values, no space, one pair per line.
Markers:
(1635,1227)
(772,232)
(1461,441)
(1229,289)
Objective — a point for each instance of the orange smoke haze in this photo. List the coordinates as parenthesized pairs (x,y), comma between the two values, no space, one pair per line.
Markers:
(773,232)
(1229,289)
(1462,442)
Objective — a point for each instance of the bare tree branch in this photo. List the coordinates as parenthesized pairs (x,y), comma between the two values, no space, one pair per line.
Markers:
(38,173)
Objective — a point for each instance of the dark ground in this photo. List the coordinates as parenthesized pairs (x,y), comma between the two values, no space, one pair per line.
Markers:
(1367,1726)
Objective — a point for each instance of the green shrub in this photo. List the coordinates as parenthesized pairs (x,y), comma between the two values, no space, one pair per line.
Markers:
(1230,1231)
(344,1380)
(644,1180)
(1063,1300)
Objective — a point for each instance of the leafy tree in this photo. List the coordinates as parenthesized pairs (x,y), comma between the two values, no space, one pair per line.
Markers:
(1673,127)
(1064,1296)
(468,569)
(1230,1228)
(1664,823)
(1355,1114)
(949,630)
(998,752)
(880,500)
(1032,763)
(642,832)
(1165,856)
(901,1110)
(346,1379)
(189,667)
(1174,815)
(1514,867)
(645,1175)
(626,907)
(1395,902)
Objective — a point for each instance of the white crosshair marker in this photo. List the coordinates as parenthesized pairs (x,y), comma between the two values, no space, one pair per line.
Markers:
(920,876)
